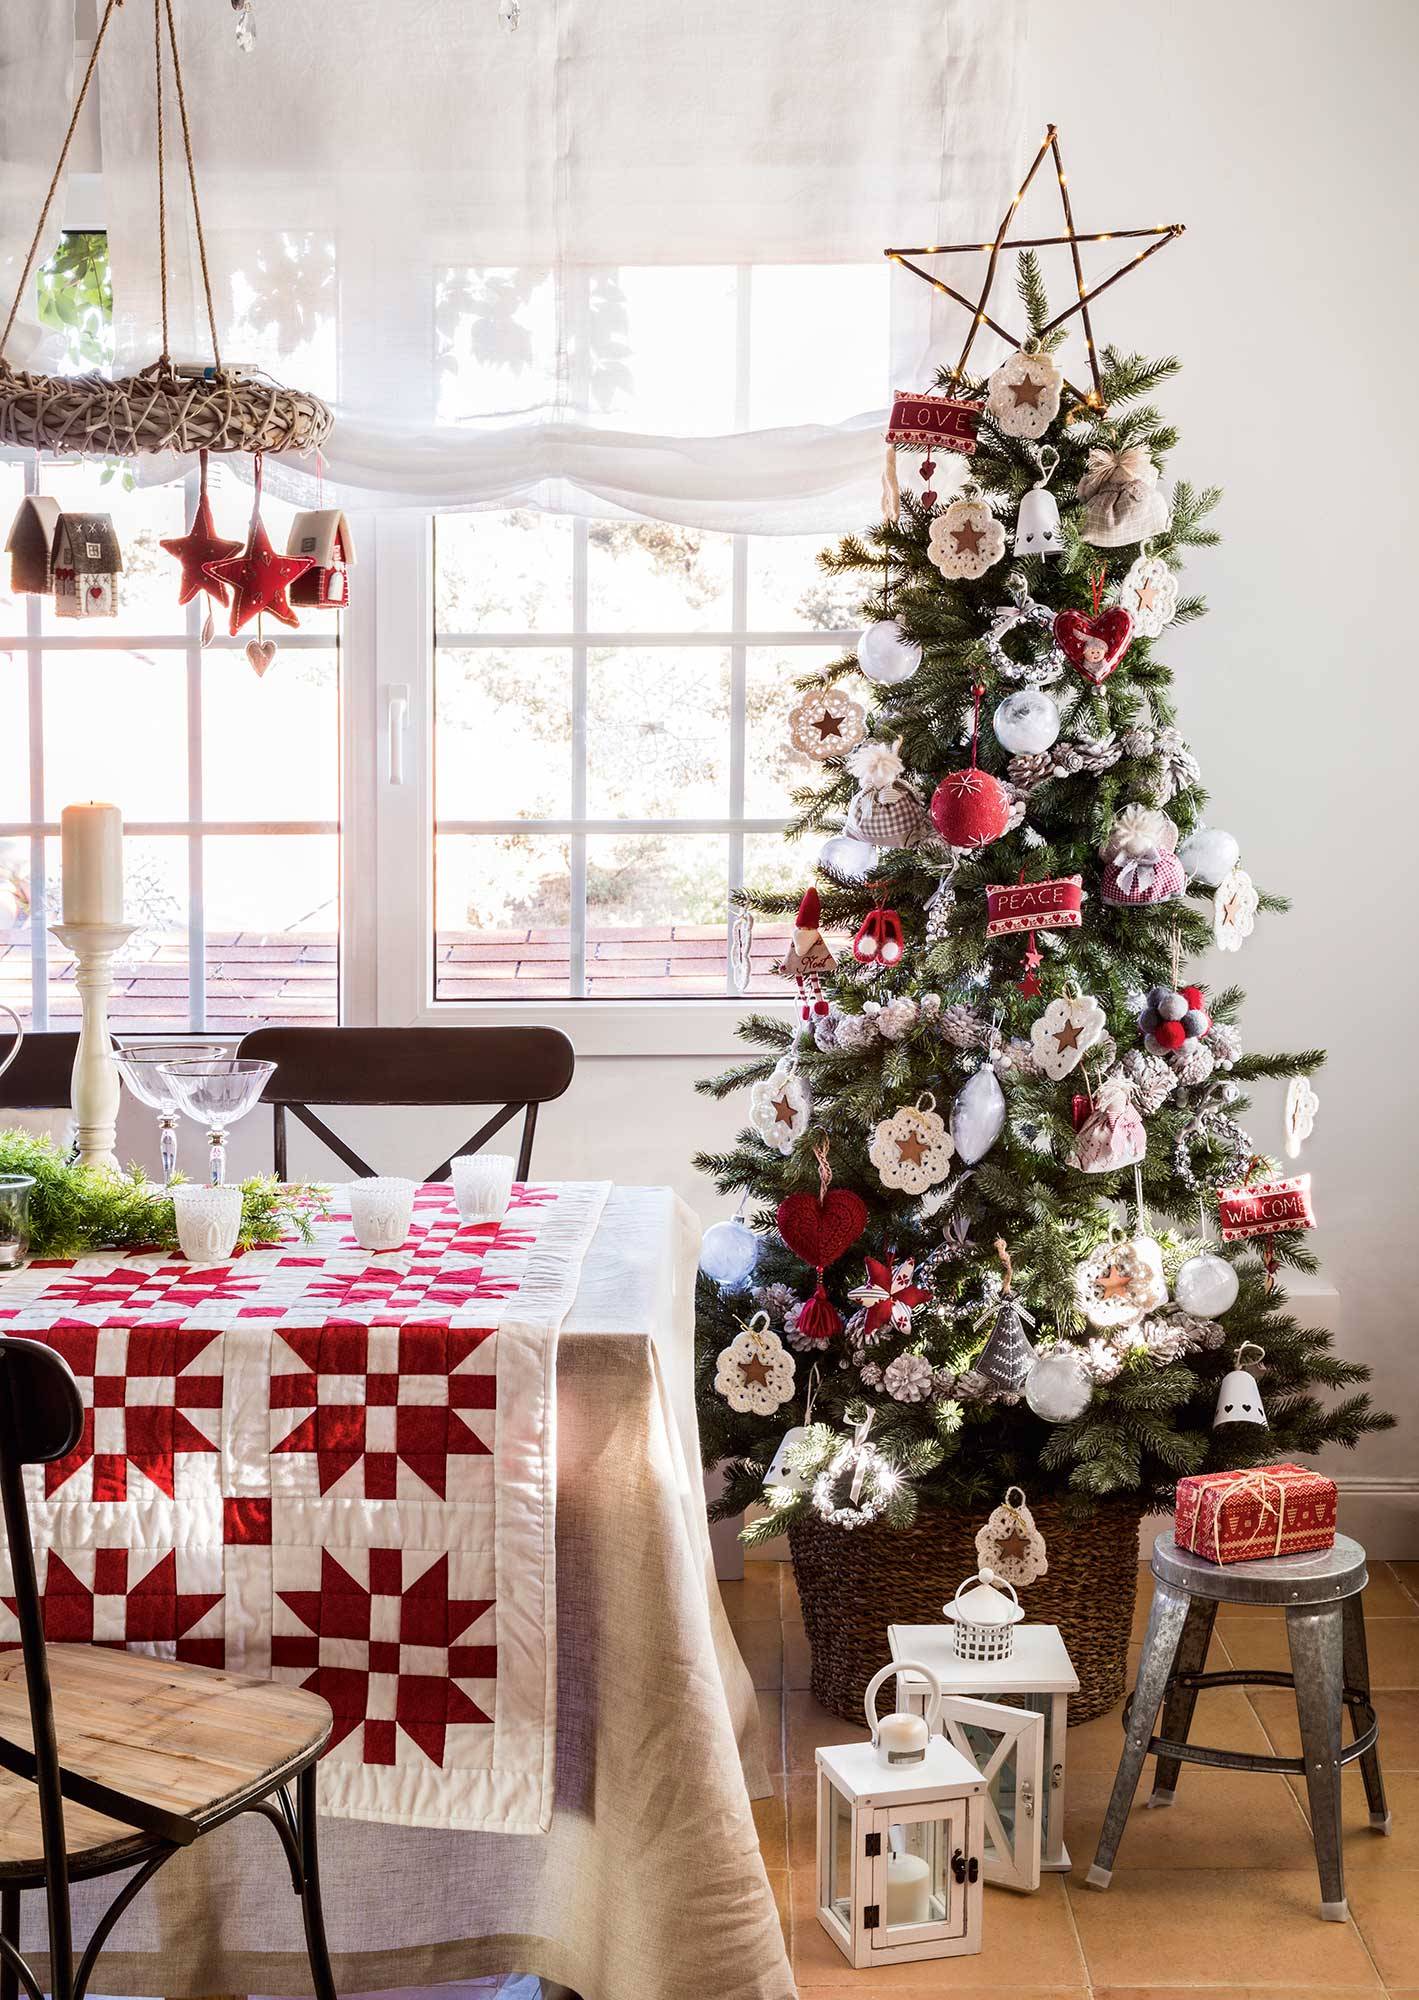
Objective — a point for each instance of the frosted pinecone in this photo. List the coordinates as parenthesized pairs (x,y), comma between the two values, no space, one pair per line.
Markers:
(778,1301)
(1163,1340)
(1102,1359)
(929,1007)
(870,1375)
(855,1031)
(943,1382)
(1030,768)
(909,1378)
(1098,753)
(1192,1065)
(825,1030)
(1153,1081)
(897,1017)
(1140,741)
(962,1026)
(973,1387)
(1178,761)
(1226,1044)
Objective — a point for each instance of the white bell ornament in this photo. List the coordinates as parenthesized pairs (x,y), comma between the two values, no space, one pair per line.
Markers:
(1206,1286)
(886,655)
(1037,527)
(1239,1398)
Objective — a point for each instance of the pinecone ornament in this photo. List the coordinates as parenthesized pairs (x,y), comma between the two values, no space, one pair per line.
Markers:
(1152,1079)
(962,1026)
(1031,768)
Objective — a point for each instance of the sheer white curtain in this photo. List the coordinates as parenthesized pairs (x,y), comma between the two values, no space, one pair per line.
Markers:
(506,257)
(36,86)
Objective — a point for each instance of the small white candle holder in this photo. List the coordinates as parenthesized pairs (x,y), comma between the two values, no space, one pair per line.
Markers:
(381,1209)
(482,1185)
(95,1088)
(208,1221)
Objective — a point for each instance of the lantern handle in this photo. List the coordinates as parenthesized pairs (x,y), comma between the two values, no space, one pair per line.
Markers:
(988,1576)
(933,1707)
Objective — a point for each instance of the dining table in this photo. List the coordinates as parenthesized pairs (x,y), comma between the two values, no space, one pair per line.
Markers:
(634,1872)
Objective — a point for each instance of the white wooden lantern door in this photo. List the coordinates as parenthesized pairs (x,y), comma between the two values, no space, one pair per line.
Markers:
(924,1915)
(1007,1747)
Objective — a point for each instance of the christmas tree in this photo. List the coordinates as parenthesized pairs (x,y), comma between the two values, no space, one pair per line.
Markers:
(990,1170)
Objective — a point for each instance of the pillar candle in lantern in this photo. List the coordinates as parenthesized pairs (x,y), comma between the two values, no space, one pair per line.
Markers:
(91,838)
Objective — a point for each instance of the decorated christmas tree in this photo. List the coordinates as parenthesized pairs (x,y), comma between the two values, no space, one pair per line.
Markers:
(1003,1220)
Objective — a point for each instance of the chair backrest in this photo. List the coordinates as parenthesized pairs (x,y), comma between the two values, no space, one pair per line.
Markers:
(39,1078)
(514,1069)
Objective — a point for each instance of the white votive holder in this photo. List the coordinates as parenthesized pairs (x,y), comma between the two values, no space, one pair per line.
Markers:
(381,1209)
(208,1221)
(482,1184)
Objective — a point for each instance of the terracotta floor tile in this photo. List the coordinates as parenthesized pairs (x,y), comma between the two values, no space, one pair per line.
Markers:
(771,1819)
(809,1724)
(771,1724)
(1407,1576)
(797,1658)
(788,1586)
(1393,1646)
(802,1821)
(1029,1944)
(869,1989)
(1385,1908)
(1185,1834)
(755,1595)
(1397,1712)
(1224,1719)
(760,1643)
(783,1901)
(1367,1851)
(1188,1925)
(1210,1992)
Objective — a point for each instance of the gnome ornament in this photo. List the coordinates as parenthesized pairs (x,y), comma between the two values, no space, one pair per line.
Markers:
(808,958)
(1123,501)
(1010,1543)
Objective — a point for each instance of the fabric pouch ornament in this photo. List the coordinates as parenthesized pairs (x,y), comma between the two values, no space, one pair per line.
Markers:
(1142,866)
(1112,1134)
(887,810)
(912,1150)
(1149,593)
(1010,1543)
(966,539)
(1024,394)
(754,1374)
(808,957)
(1123,501)
(827,723)
(1063,1034)
(780,1107)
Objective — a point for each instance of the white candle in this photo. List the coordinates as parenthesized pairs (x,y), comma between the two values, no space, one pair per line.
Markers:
(908,1889)
(91,839)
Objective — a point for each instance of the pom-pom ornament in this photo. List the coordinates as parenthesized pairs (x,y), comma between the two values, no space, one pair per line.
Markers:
(1024,394)
(1119,1282)
(1010,1543)
(827,723)
(1239,1398)
(966,540)
(1094,645)
(912,1149)
(1206,1286)
(1208,855)
(1123,501)
(729,1252)
(1026,723)
(886,655)
(1174,1021)
(1112,1134)
(1059,1387)
(978,1116)
(780,1107)
(1150,594)
(1064,1033)
(1234,909)
(754,1374)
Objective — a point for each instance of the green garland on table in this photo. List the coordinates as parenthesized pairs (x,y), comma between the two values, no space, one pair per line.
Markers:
(75,1209)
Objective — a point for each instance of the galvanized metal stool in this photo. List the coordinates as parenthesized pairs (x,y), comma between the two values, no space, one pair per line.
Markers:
(1330,1670)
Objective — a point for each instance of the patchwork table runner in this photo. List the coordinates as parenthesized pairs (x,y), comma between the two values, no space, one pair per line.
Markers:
(335,1467)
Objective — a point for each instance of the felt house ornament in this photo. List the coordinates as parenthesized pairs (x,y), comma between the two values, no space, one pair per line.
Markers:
(87,561)
(30,546)
(323,537)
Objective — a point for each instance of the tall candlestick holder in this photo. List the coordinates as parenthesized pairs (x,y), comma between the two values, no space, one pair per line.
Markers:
(95,1091)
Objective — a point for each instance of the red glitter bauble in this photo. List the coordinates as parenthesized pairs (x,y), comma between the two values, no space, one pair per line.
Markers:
(970,808)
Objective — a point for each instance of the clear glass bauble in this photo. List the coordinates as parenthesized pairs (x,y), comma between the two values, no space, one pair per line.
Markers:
(1209,855)
(728,1253)
(1058,1387)
(978,1116)
(849,859)
(886,655)
(1206,1286)
(1026,722)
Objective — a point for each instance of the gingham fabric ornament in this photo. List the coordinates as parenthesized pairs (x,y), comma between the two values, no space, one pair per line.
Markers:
(888,1298)
(780,1107)
(912,1150)
(755,1372)
(1234,909)
(827,723)
(1112,1135)
(1061,1036)
(1119,1282)
(1010,1543)
(966,539)
(808,957)
(1150,593)
(887,810)
(1302,1105)
(1141,865)
(1043,669)
(1123,501)
(1024,394)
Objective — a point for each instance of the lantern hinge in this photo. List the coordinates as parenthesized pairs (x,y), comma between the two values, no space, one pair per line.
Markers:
(871,1917)
(874,1844)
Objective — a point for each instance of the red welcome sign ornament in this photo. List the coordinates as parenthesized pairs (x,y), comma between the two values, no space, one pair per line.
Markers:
(1266,1208)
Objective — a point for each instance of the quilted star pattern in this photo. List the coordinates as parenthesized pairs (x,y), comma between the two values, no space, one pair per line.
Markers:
(152,1398)
(119,1597)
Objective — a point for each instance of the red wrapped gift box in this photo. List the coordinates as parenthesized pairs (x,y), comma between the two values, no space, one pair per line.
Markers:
(1270,1510)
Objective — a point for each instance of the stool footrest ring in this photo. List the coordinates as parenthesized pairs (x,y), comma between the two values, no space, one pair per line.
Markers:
(1358,1703)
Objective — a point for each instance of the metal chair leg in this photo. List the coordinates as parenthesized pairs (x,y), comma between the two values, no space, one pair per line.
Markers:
(1317,1663)
(1155,1669)
(1181,1701)
(10,1926)
(1357,1681)
(318,1952)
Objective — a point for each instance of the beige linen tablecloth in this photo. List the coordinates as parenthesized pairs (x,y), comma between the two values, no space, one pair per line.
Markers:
(650,1885)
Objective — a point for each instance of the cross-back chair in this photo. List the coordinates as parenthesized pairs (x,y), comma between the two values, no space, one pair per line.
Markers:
(514,1069)
(112,1761)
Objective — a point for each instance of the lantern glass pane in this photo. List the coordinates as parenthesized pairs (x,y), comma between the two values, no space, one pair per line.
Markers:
(919,1885)
(984,1743)
(838,1838)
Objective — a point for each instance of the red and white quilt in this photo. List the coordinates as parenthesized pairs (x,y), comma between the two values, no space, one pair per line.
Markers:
(336,1467)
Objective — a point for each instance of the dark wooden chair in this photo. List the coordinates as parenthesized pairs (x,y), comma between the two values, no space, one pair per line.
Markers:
(39,1077)
(516,1069)
(111,1761)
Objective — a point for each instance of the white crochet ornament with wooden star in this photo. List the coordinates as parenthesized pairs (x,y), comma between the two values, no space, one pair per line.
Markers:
(754,1374)
(1302,1105)
(966,539)
(1234,909)
(912,1150)
(827,723)
(1067,1029)
(780,1107)
(1119,1282)
(1150,593)
(1010,1543)
(1024,395)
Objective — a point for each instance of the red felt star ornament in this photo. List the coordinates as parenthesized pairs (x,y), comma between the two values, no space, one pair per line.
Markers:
(259,579)
(196,550)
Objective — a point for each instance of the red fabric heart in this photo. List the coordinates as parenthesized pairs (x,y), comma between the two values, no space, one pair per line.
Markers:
(822,1231)
(1081,637)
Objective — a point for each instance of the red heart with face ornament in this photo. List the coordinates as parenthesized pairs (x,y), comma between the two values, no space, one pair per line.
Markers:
(821,1231)
(1094,646)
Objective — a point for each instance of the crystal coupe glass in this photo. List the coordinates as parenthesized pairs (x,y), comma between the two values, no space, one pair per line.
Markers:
(216,1091)
(140,1064)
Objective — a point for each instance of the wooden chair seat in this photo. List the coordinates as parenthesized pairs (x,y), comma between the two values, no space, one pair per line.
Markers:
(192,1741)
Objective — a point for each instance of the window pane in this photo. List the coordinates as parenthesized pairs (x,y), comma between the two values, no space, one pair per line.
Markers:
(658,733)
(271,743)
(148,583)
(656,915)
(502,733)
(272,904)
(15,980)
(12,492)
(503,573)
(647,576)
(150,984)
(794,380)
(771,862)
(787,589)
(231,509)
(772,767)
(503,907)
(497,344)
(14,736)
(116,728)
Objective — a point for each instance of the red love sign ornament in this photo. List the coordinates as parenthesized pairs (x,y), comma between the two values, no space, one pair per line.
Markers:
(822,1230)
(1094,646)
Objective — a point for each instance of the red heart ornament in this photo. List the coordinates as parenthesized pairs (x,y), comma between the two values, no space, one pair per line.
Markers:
(822,1231)
(1094,646)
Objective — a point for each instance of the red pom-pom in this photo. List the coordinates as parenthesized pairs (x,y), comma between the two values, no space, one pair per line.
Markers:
(819,1320)
(1170,1034)
(1193,996)
(970,808)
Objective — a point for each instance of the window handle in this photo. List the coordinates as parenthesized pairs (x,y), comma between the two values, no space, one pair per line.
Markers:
(396,699)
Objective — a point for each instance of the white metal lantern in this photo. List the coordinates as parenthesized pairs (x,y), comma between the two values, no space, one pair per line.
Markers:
(985,1618)
(1025,1833)
(900,1823)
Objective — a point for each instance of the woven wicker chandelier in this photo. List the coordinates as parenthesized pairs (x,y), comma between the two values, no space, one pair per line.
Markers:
(160,409)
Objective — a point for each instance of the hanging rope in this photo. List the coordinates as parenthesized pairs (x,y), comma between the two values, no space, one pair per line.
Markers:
(196,204)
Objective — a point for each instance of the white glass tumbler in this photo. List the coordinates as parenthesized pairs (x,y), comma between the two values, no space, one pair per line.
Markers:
(482,1183)
(208,1221)
(381,1209)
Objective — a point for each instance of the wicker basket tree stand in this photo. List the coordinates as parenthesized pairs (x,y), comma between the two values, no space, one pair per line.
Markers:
(854,1585)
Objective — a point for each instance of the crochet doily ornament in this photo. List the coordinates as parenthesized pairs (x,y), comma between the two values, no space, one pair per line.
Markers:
(827,723)
(912,1150)
(1123,501)
(966,540)
(1112,1135)
(754,1374)
(1119,1282)
(1234,909)
(780,1107)
(1094,645)
(1065,1031)
(1024,395)
(1010,1543)
(1302,1104)
(1150,594)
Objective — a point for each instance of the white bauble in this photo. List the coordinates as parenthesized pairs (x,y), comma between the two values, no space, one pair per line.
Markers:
(1208,854)
(978,1116)
(728,1253)
(1058,1387)
(886,655)
(1027,722)
(849,859)
(1206,1286)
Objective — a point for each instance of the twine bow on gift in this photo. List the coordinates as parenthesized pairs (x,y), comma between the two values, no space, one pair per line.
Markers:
(1258,1485)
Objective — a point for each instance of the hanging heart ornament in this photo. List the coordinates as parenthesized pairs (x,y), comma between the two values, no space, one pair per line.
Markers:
(1094,646)
(822,1229)
(260,653)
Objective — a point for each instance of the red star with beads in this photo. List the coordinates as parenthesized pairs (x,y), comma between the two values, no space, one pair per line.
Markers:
(259,579)
(196,550)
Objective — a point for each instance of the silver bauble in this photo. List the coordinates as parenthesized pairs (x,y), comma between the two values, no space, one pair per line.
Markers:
(1058,1387)
(886,655)
(1209,855)
(1206,1286)
(978,1116)
(1027,722)
(851,860)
